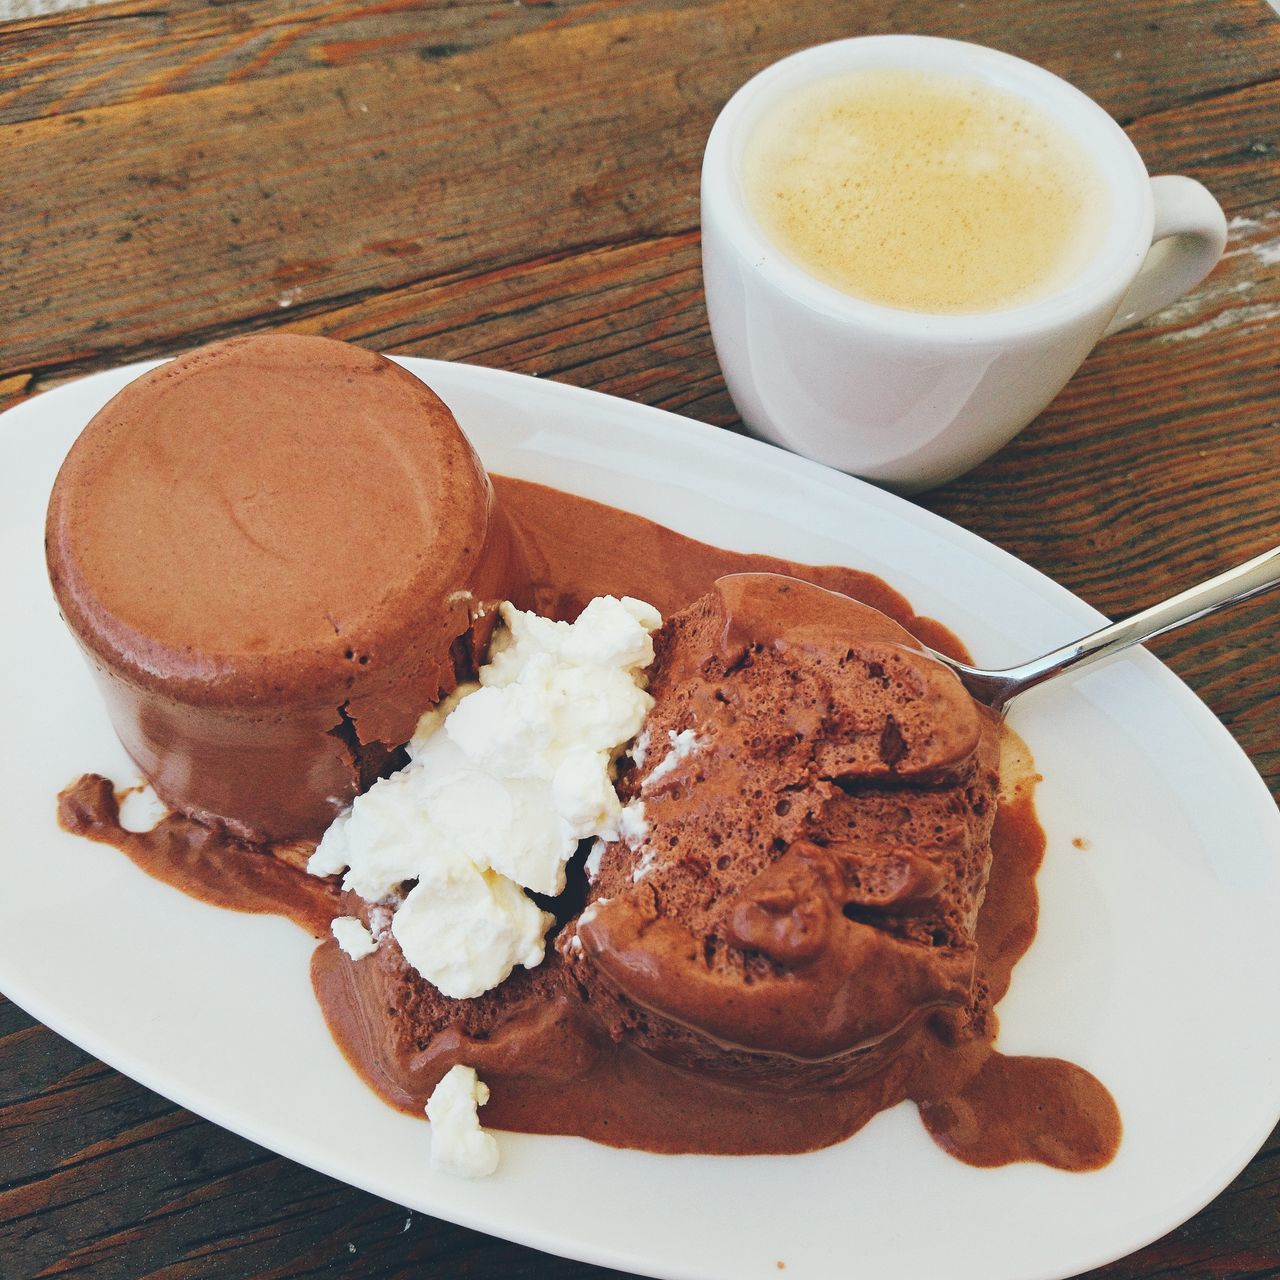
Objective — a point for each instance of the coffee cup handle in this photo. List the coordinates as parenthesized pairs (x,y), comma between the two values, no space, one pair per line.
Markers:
(1187,239)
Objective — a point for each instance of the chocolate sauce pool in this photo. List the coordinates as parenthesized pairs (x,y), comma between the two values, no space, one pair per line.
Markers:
(549,1068)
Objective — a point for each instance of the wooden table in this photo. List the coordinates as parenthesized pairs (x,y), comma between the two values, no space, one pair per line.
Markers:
(517,184)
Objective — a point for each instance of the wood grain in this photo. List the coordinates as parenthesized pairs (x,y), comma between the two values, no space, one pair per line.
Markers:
(516,184)
(273,173)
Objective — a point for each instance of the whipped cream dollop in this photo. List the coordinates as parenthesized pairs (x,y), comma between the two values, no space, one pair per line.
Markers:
(353,937)
(505,778)
(458,1144)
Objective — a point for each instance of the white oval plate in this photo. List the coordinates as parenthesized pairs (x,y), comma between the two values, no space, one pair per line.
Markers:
(1154,967)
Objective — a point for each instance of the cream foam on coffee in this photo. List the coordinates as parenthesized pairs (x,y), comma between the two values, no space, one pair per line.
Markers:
(924,191)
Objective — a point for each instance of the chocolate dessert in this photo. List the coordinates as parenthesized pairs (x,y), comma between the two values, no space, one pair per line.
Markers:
(795,942)
(279,552)
(276,552)
(819,794)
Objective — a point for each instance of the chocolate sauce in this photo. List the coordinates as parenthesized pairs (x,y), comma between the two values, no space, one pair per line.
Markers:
(206,862)
(550,1068)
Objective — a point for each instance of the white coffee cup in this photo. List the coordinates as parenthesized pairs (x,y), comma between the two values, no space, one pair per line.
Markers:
(909,399)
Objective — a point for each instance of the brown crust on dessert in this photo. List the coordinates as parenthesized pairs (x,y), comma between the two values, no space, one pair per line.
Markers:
(276,551)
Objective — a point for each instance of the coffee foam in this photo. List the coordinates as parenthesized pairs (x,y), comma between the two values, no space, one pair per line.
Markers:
(924,191)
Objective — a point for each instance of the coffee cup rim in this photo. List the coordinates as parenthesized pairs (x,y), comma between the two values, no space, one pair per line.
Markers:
(1104,279)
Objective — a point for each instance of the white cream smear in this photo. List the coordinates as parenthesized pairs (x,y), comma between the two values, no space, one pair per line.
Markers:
(505,778)
(458,1144)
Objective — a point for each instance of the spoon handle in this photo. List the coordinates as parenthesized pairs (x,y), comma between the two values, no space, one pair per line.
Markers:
(1249,579)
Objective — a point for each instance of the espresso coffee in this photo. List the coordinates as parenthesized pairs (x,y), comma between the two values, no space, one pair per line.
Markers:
(924,191)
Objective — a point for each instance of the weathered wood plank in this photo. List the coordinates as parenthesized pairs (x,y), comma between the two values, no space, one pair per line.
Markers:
(16,387)
(152,48)
(276,190)
(173,217)
(148,48)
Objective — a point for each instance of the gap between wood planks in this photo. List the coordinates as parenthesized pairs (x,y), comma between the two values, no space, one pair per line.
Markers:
(23,383)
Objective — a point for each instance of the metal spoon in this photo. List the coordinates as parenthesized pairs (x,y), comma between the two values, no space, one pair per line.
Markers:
(996,689)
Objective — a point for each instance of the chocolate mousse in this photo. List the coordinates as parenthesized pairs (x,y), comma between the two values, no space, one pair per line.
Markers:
(276,552)
(819,794)
(830,888)
(827,897)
